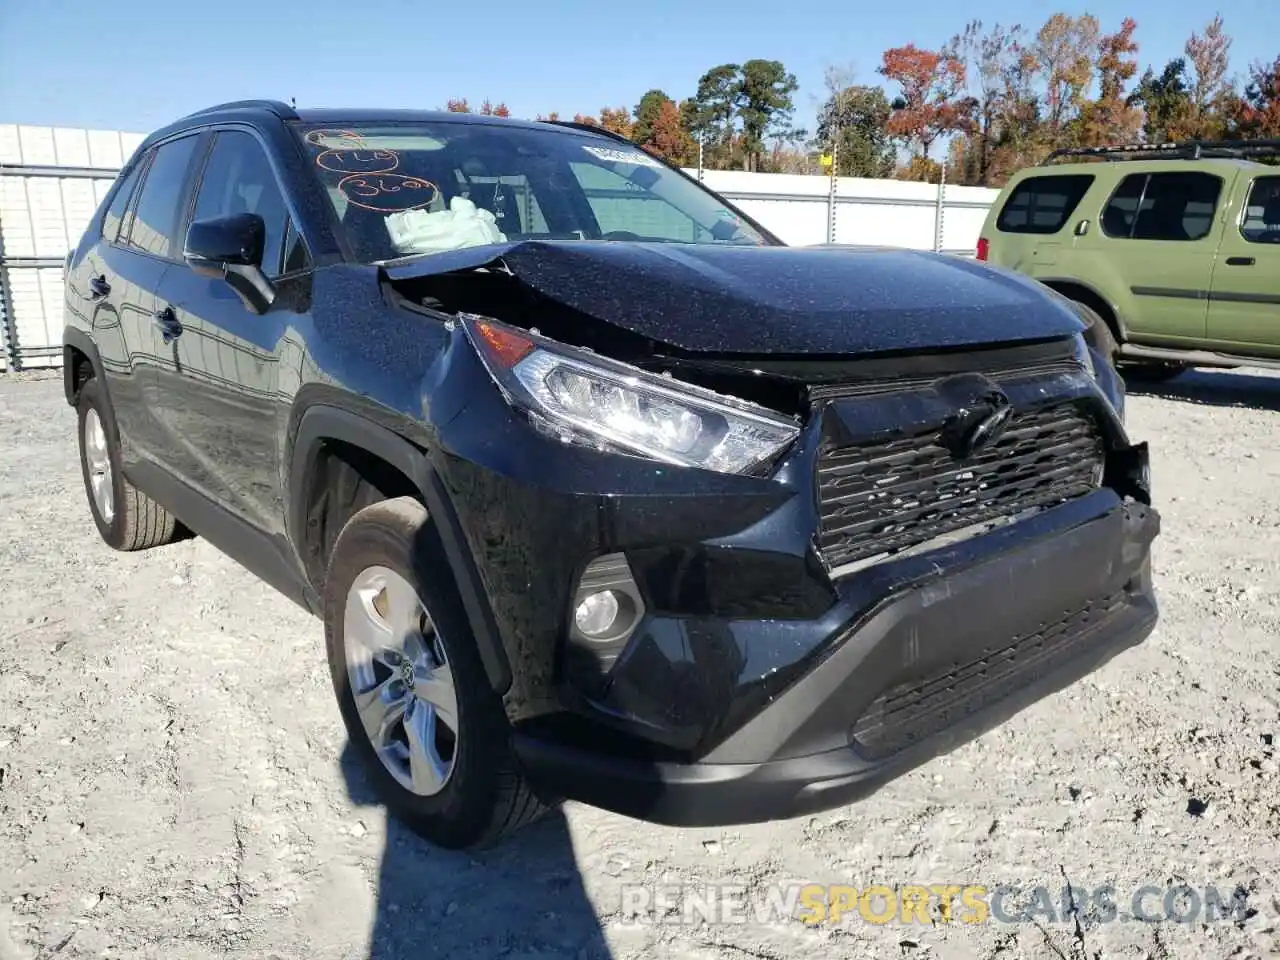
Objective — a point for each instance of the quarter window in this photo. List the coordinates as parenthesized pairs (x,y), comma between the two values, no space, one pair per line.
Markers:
(1042,204)
(238,179)
(1262,212)
(119,204)
(296,258)
(159,208)
(1163,206)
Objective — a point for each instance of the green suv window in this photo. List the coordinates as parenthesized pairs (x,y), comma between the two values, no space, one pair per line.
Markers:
(1162,206)
(1262,212)
(1042,204)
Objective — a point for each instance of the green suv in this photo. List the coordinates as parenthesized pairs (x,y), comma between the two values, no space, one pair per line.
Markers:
(1175,246)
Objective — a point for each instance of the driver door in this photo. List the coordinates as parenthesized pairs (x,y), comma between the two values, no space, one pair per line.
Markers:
(223,410)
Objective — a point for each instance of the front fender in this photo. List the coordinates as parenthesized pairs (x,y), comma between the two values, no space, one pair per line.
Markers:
(322,421)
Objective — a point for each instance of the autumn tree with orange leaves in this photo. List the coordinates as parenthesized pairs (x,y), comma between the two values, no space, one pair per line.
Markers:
(929,104)
(487,108)
(1209,56)
(668,137)
(1111,118)
(997,99)
(1258,113)
(1066,49)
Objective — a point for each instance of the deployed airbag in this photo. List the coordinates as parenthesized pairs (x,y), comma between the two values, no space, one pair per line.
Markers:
(462,225)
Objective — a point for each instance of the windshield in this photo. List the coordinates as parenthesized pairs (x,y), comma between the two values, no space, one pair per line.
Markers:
(415,188)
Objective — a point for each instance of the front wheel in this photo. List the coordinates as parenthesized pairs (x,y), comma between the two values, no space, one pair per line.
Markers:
(413,692)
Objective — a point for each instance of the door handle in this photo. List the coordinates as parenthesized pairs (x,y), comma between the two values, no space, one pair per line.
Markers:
(167,321)
(1240,261)
(98,287)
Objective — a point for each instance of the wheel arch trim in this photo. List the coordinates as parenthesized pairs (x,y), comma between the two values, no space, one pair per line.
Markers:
(1121,331)
(320,422)
(75,339)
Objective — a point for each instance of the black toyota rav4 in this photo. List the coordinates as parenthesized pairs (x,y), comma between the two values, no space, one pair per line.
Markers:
(601,491)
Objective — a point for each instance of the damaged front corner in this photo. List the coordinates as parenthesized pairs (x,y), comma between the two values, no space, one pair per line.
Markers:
(1128,472)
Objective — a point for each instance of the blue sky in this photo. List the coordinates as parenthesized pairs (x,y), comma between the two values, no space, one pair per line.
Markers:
(136,64)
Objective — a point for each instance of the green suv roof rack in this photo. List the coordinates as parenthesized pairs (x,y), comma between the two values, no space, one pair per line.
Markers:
(1185,150)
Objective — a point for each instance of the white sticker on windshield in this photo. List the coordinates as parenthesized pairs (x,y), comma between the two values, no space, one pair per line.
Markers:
(634,157)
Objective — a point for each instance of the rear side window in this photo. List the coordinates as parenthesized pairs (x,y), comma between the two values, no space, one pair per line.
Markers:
(1042,204)
(238,179)
(159,209)
(1163,206)
(119,204)
(1262,212)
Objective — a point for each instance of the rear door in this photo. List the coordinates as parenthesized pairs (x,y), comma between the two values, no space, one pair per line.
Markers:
(1158,233)
(219,395)
(129,278)
(99,288)
(145,257)
(1244,304)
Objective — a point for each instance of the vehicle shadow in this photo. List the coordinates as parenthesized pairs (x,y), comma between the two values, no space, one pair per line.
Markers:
(1220,388)
(525,897)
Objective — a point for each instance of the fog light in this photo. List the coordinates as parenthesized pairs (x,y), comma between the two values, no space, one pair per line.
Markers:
(606,612)
(597,615)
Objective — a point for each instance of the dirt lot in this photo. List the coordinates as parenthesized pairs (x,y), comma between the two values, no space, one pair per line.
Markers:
(173,781)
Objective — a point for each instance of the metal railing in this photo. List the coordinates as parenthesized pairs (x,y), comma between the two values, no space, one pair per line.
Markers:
(18,348)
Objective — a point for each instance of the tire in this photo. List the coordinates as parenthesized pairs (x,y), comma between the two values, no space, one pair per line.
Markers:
(388,559)
(128,519)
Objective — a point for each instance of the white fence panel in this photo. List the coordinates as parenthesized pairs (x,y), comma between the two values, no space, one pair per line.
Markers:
(43,213)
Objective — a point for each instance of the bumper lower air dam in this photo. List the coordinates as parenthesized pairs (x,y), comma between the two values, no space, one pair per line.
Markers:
(925,671)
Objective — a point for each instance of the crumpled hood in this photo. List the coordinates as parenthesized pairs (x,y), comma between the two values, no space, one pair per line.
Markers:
(797,301)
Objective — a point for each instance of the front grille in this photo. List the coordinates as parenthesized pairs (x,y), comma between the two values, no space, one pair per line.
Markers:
(910,713)
(884,497)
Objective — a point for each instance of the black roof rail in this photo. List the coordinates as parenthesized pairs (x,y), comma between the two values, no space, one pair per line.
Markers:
(1182,150)
(590,128)
(281,110)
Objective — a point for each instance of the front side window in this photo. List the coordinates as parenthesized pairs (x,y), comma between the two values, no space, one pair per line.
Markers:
(620,208)
(159,208)
(1122,208)
(1042,204)
(1262,212)
(238,179)
(1163,206)
(414,188)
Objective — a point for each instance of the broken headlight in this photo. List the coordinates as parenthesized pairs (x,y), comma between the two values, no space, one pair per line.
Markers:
(586,398)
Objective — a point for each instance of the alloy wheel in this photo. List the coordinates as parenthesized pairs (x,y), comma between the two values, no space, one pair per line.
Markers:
(401,680)
(98,462)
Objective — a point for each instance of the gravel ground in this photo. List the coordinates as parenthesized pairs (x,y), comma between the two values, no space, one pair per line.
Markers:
(174,781)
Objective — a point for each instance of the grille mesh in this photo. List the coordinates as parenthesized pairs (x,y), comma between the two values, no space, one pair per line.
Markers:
(887,496)
(910,713)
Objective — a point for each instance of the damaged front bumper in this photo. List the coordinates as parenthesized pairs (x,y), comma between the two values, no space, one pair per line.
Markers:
(761,679)
(935,664)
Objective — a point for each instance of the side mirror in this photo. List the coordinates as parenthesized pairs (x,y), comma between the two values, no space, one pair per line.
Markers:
(230,248)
